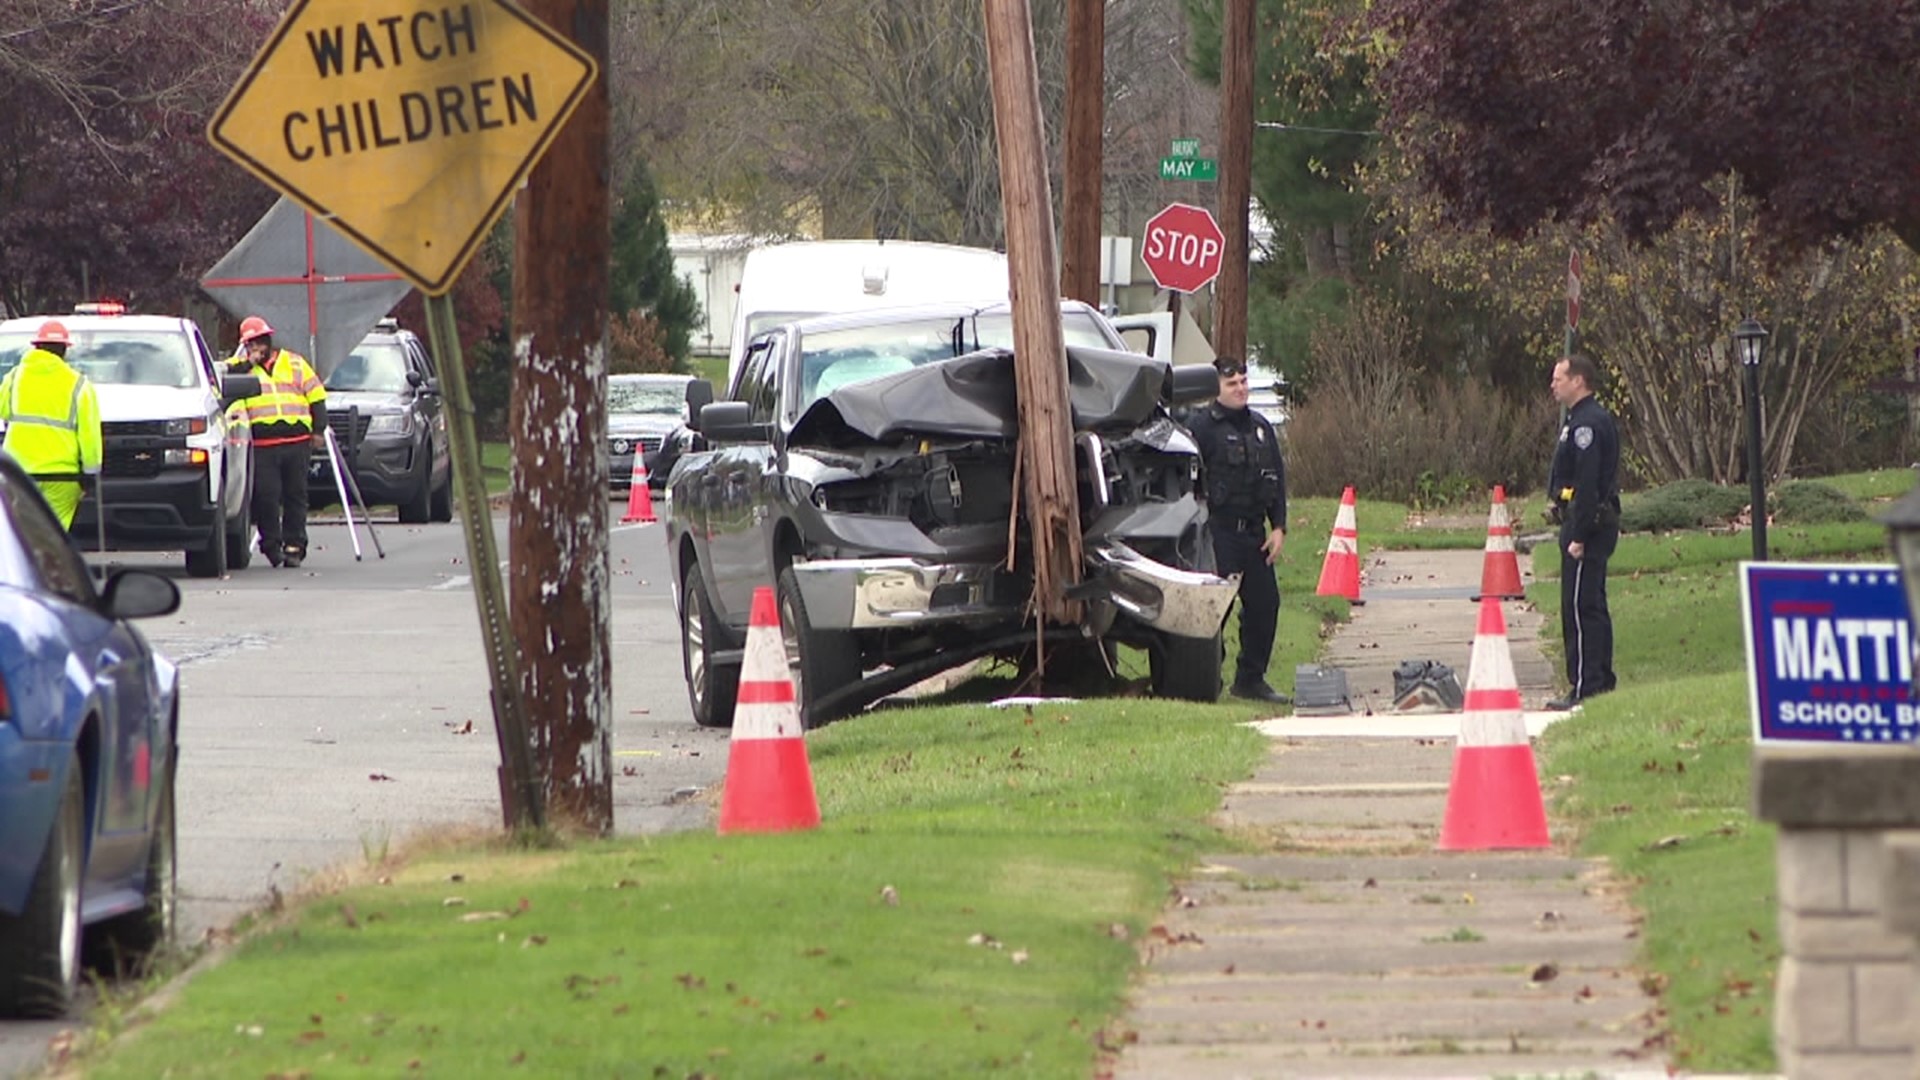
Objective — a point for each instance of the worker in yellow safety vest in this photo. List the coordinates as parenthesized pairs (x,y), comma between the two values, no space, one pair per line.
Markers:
(53,420)
(288,419)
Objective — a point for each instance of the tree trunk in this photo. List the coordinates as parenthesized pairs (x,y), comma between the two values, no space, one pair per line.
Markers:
(1086,90)
(558,513)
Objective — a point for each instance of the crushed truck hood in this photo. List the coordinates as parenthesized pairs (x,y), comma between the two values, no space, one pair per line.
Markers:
(975,396)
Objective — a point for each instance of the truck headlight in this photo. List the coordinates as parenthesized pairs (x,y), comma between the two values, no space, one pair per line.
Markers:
(393,423)
(185,456)
(193,425)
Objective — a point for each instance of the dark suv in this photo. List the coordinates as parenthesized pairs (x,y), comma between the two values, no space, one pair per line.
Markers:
(384,406)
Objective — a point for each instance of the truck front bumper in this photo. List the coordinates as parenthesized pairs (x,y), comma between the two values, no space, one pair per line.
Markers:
(864,594)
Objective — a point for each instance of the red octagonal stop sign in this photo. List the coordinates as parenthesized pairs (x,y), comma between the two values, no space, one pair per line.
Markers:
(1184,248)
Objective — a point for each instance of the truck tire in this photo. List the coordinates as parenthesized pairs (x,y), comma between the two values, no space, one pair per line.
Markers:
(821,661)
(711,686)
(1186,668)
(40,948)
(442,508)
(240,536)
(419,506)
(210,561)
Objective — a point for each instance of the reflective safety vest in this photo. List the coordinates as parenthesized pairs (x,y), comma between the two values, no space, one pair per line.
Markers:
(52,416)
(288,391)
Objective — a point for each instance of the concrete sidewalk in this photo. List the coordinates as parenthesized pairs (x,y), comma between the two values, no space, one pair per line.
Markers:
(1346,946)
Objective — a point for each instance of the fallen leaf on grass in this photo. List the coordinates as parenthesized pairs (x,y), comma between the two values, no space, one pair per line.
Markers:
(889,896)
(534,939)
(1018,956)
(1119,931)
(454,901)
(987,940)
(485,916)
(1673,841)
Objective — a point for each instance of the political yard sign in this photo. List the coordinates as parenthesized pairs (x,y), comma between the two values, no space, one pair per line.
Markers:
(1829,653)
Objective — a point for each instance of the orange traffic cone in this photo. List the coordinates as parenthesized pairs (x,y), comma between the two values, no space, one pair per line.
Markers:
(1500,570)
(1340,573)
(639,498)
(769,785)
(1493,801)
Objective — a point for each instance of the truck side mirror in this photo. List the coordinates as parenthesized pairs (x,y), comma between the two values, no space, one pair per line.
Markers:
(238,388)
(730,421)
(1190,384)
(699,396)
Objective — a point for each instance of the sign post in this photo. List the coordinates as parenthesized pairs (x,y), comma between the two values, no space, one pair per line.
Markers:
(408,125)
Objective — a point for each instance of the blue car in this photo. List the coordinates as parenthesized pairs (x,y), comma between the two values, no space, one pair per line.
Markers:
(89,717)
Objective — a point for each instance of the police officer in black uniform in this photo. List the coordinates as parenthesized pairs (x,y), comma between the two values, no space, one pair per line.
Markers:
(1246,491)
(1585,488)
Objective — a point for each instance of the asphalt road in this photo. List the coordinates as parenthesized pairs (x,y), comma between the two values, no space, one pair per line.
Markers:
(339,711)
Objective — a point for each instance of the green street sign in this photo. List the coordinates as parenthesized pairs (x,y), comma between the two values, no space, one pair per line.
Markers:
(1189,168)
(1185,148)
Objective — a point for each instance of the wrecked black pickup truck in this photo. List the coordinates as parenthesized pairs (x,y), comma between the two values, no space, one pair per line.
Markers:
(863,467)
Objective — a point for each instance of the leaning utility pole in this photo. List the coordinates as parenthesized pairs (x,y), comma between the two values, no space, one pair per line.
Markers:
(557,523)
(1086,120)
(1045,461)
(1236,177)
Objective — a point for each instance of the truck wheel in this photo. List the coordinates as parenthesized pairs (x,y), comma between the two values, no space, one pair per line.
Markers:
(821,661)
(132,939)
(442,508)
(711,686)
(240,539)
(40,947)
(1186,668)
(211,560)
(419,507)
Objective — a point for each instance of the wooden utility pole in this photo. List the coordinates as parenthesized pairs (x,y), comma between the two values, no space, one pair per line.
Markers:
(557,524)
(1040,356)
(1236,177)
(1086,122)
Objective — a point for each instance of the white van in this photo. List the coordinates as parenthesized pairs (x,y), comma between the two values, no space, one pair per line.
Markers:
(784,282)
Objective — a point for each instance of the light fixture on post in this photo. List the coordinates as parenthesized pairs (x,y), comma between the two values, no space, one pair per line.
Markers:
(1750,341)
(1902,520)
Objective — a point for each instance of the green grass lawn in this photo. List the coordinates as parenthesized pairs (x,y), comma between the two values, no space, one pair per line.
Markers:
(969,905)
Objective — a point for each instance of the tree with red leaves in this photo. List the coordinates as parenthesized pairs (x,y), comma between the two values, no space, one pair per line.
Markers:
(108,186)
(1519,112)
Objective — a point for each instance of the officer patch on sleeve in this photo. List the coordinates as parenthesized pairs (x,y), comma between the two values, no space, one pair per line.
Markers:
(1583,437)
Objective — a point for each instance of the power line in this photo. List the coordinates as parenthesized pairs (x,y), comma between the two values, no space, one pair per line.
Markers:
(1315,130)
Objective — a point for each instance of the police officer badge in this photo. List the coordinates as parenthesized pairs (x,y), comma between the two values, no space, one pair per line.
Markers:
(1583,437)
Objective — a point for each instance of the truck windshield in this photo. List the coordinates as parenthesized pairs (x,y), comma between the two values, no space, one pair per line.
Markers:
(118,357)
(379,368)
(632,396)
(830,359)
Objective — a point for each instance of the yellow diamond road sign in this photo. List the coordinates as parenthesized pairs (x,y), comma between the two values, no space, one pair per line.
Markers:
(407,123)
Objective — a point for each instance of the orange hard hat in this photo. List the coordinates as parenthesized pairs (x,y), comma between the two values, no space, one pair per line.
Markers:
(52,332)
(253,326)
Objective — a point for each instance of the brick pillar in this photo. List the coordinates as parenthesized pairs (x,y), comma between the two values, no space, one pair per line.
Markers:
(1844,1000)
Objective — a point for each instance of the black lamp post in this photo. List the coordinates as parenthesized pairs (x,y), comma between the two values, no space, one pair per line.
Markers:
(1750,339)
(1902,520)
